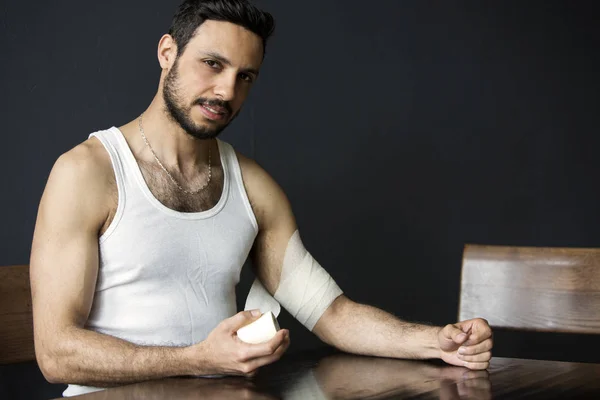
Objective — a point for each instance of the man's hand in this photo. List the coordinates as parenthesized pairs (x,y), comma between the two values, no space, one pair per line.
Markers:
(224,353)
(467,344)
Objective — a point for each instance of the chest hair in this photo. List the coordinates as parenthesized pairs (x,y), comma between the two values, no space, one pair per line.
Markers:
(172,197)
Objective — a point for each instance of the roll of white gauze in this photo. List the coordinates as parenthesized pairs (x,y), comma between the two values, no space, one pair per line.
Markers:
(260,331)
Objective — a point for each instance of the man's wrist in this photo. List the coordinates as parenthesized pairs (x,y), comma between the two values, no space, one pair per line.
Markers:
(433,349)
(193,360)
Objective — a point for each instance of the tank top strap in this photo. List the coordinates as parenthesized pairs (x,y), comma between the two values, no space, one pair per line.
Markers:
(237,181)
(117,148)
(110,139)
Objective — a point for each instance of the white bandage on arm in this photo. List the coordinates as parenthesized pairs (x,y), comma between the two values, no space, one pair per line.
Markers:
(305,289)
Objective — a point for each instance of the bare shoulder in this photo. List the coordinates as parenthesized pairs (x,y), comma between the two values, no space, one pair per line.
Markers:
(266,196)
(88,157)
(252,172)
(82,177)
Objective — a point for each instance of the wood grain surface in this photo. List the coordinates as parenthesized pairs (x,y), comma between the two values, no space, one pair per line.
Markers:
(345,376)
(16,321)
(544,289)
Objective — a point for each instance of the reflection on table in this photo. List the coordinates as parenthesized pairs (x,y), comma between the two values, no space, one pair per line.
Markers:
(326,374)
(345,376)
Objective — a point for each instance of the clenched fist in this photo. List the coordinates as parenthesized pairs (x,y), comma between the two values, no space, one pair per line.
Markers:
(467,344)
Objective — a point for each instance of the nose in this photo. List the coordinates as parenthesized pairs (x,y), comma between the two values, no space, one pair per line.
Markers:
(225,87)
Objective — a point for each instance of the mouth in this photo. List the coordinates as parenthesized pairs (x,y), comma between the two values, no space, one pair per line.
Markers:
(214,112)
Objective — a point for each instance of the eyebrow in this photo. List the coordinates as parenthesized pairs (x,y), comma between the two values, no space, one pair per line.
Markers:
(225,61)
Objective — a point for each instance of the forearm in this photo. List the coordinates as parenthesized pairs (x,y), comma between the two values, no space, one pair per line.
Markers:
(84,357)
(366,330)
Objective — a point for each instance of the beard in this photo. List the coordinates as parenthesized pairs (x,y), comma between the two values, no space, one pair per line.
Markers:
(181,114)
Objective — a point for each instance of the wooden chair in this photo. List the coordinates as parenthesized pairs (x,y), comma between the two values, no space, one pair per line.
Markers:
(16,320)
(531,288)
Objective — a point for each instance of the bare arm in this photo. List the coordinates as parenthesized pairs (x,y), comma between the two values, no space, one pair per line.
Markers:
(349,326)
(342,323)
(64,267)
(276,222)
(367,330)
(362,329)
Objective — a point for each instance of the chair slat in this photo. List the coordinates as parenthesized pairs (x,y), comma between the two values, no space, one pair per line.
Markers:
(531,288)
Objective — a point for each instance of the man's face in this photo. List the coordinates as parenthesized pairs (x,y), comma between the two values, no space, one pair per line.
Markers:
(205,88)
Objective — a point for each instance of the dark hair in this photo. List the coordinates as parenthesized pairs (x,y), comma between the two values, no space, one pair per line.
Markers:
(192,13)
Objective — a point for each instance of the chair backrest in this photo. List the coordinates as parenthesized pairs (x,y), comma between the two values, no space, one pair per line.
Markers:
(532,288)
(16,319)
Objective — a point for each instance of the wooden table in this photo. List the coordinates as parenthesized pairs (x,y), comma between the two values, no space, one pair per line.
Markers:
(326,374)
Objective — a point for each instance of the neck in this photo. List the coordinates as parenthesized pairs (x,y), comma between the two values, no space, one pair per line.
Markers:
(173,146)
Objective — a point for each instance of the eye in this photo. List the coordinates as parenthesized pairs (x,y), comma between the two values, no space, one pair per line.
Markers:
(212,63)
(246,77)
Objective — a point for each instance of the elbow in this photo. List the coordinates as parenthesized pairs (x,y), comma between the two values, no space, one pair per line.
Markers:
(51,363)
(49,366)
(56,354)
(333,323)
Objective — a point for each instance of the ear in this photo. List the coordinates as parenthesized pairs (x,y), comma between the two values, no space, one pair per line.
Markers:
(167,51)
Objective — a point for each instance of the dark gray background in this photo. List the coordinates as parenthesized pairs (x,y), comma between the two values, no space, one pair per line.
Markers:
(400,131)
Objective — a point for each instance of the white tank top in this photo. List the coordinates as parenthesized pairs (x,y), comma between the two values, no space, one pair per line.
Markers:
(168,278)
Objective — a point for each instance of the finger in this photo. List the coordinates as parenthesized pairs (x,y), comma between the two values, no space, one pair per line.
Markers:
(266,360)
(251,374)
(284,345)
(250,351)
(454,335)
(277,354)
(481,357)
(476,365)
(240,319)
(480,331)
(482,347)
(277,344)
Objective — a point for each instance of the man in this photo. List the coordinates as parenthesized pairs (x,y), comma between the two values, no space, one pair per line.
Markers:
(142,231)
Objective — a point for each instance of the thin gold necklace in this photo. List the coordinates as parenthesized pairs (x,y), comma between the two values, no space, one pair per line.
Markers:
(168,173)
